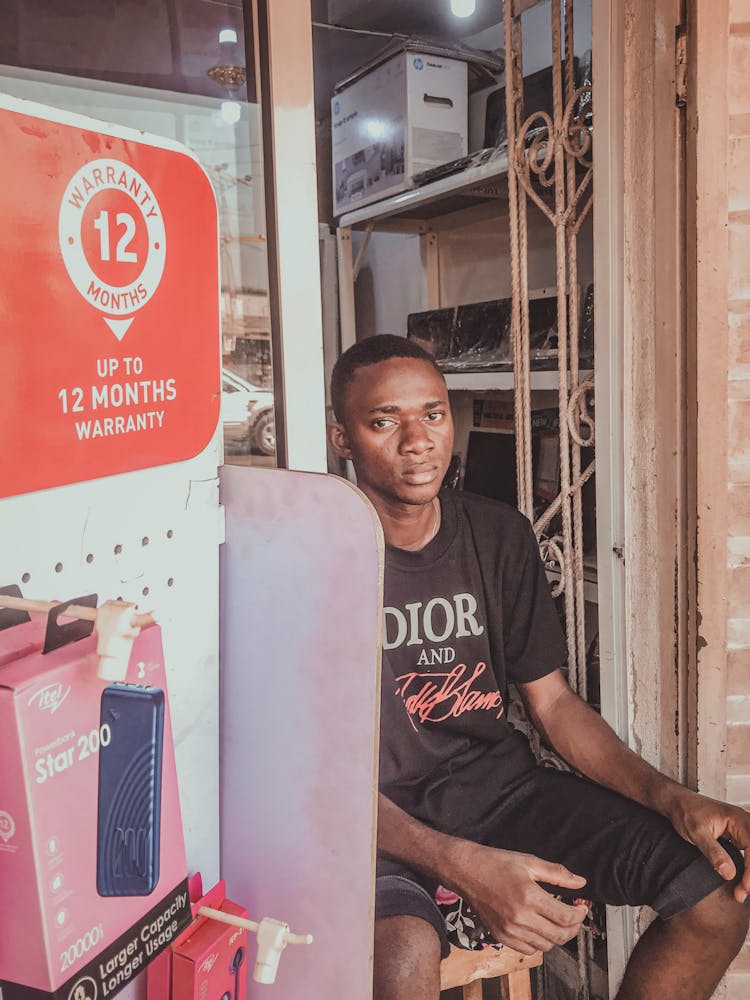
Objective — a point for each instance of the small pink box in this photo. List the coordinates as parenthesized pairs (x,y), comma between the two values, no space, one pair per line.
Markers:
(210,958)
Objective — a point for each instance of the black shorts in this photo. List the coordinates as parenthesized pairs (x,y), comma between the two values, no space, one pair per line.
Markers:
(627,853)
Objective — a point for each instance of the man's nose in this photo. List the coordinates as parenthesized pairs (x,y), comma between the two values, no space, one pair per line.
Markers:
(416,439)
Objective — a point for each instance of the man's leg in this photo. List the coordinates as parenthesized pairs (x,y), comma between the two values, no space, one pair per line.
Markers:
(407,959)
(684,958)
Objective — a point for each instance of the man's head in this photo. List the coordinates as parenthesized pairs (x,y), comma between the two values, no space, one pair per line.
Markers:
(367,352)
(392,419)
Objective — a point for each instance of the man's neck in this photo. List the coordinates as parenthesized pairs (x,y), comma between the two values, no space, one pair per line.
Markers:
(407,526)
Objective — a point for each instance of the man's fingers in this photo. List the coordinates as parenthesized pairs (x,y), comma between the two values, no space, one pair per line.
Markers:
(555,933)
(538,934)
(563,914)
(519,944)
(742,889)
(546,871)
(717,856)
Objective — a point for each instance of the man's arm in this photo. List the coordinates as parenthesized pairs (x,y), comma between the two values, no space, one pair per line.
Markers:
(582,738)
(501,886)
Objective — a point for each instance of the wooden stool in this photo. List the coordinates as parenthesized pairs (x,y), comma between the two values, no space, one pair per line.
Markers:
(468,968)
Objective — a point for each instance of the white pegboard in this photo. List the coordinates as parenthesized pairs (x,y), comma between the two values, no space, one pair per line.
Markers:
(156,530)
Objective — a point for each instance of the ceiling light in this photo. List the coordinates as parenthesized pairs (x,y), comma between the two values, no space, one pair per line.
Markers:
(463,8)
(228,35)
(231,112)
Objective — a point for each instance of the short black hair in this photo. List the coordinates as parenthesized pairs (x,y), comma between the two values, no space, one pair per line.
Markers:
(371,351)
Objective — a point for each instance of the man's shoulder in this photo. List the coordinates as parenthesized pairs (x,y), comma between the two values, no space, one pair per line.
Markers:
(486,514)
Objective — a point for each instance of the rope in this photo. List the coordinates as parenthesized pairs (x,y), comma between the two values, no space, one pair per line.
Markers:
(554,507)
(518,269)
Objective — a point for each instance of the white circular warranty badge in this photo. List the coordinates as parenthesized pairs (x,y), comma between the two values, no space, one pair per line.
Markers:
(112,237)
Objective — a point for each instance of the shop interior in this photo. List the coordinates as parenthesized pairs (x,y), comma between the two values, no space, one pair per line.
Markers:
(432,260)
(422,233)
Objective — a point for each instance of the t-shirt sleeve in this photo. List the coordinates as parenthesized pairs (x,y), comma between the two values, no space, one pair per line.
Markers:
(533,638)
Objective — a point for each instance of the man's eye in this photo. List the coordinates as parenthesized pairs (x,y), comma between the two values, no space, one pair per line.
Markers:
(435,416)
(381,422)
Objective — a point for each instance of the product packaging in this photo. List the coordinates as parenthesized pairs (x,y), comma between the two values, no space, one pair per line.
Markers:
(208,959)
(397,119)
(92,861)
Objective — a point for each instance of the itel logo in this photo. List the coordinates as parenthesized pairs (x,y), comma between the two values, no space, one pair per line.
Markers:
(209,963)
(50,698)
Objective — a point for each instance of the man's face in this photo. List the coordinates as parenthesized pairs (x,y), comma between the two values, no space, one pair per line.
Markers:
(397,430)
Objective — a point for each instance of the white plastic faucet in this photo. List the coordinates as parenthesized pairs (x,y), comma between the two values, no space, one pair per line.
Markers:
(273,937)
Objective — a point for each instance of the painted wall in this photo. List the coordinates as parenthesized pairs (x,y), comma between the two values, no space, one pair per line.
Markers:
(738,397)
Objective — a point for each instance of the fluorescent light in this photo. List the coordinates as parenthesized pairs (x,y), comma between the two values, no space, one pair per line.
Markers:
(231,112)
(228,35)
(463,8)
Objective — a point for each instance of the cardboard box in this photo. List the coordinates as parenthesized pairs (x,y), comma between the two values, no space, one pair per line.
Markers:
(403,116)
(92,859)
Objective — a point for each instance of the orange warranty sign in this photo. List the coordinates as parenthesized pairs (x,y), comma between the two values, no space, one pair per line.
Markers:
(109,301)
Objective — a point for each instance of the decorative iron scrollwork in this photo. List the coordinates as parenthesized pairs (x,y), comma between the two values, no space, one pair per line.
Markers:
(576,134)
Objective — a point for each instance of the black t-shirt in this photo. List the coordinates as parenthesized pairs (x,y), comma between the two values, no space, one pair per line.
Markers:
(463,617)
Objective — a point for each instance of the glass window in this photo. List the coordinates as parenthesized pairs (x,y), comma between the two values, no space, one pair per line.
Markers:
(174,68)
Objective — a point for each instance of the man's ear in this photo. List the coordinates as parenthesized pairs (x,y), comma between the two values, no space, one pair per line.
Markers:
(338,440)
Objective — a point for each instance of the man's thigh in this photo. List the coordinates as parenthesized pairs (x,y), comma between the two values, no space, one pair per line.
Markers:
(626,853)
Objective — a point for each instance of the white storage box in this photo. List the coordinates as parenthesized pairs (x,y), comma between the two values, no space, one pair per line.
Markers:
(404,116)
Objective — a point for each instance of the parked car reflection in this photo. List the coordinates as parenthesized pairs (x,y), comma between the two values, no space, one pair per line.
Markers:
(247,414)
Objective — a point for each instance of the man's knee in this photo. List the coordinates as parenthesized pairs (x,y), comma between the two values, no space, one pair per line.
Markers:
(718,917)
(407,958)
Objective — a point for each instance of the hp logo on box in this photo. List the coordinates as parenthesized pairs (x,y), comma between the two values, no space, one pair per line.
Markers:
(336,107)
(418,63)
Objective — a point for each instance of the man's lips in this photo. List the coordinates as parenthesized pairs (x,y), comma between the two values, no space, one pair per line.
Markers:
(418,475)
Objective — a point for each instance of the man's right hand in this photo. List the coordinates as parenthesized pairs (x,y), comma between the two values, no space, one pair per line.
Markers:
(500,886)
(502,889)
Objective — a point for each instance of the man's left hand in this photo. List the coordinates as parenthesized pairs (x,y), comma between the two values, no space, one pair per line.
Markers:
(701,821)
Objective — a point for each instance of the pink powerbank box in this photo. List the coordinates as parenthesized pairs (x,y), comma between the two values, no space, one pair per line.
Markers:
(209,962)
(93,877)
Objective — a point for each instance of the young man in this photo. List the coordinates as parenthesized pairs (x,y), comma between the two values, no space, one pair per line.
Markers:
(462,803)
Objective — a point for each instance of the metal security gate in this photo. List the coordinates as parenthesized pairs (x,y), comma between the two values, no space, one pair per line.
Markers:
(550,165)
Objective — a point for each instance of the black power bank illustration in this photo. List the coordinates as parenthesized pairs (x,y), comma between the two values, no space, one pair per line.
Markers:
(129,813)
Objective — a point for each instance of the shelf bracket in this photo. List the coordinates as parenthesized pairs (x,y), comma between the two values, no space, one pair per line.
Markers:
(362,250)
